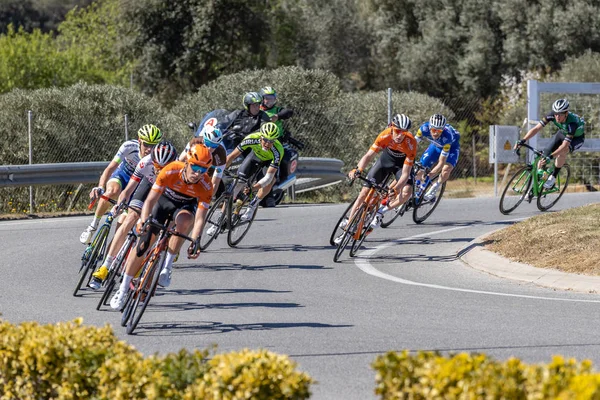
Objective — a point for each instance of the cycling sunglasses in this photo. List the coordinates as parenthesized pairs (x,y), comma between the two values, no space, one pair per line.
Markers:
(267,140)
(435,130)
(198,168)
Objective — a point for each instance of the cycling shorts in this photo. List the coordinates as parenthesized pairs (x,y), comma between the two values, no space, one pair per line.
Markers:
(140,194)
(167,209)
(433,152)
(121,176)
(250,166)
(386,166)
(557,140)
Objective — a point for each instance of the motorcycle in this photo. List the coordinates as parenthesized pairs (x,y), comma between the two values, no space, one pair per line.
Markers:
(233,135)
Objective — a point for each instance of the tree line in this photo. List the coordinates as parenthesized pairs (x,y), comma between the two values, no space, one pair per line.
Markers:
(443,48)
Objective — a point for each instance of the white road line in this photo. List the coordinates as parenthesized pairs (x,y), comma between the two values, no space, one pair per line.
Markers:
(41,221)
(365,265)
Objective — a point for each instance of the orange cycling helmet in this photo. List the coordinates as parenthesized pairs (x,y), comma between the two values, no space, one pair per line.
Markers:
(200,155)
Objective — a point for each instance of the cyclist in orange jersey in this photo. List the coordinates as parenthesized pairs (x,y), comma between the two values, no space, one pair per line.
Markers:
(398,148)
(182,191)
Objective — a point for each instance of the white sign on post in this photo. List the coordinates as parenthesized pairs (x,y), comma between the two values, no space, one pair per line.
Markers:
(502,142)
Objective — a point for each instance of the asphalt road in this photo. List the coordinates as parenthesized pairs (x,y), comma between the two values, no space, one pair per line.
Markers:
(282,291)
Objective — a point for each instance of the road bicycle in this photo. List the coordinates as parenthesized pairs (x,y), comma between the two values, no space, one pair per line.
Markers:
(143,288)
(225,213)
(528,182)
(359,226)
(96,250)
(422,209)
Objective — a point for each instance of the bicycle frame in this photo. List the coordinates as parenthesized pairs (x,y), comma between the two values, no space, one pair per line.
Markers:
(537,184)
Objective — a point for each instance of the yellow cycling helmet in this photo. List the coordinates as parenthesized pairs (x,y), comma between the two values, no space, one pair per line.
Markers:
(150,134)
(269,131)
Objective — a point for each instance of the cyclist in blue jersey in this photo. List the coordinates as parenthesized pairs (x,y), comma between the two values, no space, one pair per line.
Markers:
(116,175)
(444,149)
(569,137)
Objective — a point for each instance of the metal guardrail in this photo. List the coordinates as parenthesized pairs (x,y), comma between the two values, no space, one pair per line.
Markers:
(312,172)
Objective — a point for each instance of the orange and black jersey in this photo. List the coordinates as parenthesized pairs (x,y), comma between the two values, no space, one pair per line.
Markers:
(405,150)
(170,182)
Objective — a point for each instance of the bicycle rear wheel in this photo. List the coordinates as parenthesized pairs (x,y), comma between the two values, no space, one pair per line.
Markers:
(515,190)
(423,208)
(216,218)
(390,216)
(348,233)
(337,230)
(88,264)
(144,292)
(549,197)
(238,227)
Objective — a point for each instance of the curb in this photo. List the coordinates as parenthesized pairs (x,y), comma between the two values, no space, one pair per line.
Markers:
(476,256)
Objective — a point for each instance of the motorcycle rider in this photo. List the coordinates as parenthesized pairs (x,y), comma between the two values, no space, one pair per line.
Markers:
(240,123)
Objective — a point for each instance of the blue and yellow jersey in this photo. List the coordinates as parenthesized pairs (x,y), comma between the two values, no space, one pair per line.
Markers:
(447,138)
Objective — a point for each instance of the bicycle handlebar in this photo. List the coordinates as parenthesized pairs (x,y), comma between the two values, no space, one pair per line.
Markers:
(170,231)
(536,151)
(376,186)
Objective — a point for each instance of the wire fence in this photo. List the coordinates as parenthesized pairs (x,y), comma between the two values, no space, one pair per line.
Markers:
(59,135)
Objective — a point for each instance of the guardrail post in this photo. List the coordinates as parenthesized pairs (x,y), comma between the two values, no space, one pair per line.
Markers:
(29,120)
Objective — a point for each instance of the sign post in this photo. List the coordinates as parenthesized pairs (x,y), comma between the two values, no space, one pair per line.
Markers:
(502,141)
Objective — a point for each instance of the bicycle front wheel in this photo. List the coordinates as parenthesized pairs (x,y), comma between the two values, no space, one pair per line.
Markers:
(215,222)
(367,218)
(348,233)
(238,227)
(337,230)
(89,263)
(144,292)
(515,190)
(390,216)
(424,208)
(549,197)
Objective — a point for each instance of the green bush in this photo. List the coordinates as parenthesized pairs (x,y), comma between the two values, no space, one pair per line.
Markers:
(430,375)
(72,361)
(79,123)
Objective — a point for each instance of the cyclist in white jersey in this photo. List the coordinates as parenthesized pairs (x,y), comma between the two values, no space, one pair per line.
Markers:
(116,175)
(139,185)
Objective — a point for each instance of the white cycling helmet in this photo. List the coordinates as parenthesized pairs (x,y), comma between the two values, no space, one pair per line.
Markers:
(437,121)
(212,136)
(401,121)
(560,106)
(163,153)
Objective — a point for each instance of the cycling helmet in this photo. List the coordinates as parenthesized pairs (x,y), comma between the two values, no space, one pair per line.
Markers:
(269,131)
(272,99)
(200,155)
(251,98)
(150,134)
(437,121)
(163,153)
(212,136)
(401,121)
(560,106)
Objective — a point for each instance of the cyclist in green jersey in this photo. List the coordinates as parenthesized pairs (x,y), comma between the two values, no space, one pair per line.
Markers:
(276,114)
(266,151)
(569,137)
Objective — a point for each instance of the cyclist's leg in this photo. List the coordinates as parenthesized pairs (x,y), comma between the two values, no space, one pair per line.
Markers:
(429,157)
(162,211)
(450,163)
(136,204)
(404,195)
(184,222)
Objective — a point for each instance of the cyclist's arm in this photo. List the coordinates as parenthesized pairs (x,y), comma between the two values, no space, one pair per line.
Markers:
(366,159)
(129,189)
(271,171)
(108,171)
(232,156)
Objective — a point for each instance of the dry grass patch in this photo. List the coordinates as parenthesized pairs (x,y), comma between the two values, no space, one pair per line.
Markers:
(568,240)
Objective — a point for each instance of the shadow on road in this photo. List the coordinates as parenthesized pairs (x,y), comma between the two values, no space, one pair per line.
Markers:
(237,267)
(189,305)
(180,328)
(209,292)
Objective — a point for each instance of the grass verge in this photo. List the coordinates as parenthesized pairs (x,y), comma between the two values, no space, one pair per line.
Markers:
(567,240)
